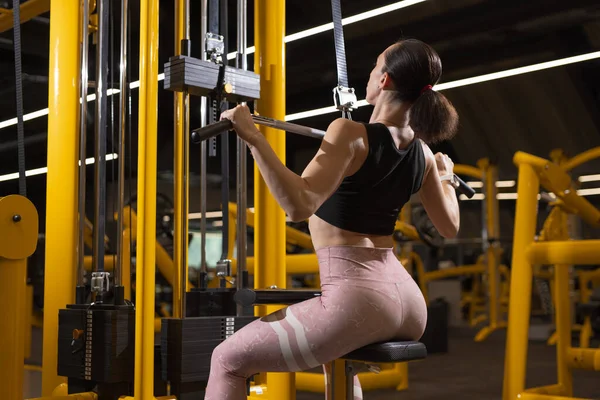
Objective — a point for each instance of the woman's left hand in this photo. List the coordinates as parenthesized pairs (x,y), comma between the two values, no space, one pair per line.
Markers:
(242,122)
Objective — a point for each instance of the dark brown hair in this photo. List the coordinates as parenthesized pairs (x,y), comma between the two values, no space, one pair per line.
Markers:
(413,65)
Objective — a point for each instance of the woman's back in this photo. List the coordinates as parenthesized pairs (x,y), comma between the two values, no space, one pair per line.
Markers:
(388,169)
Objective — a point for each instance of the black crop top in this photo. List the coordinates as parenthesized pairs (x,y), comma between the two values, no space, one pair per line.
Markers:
(369,201)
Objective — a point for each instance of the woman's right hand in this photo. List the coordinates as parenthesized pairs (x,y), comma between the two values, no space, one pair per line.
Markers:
(444,164)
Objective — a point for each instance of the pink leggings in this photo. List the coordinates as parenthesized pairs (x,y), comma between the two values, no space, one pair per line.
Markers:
(367,297)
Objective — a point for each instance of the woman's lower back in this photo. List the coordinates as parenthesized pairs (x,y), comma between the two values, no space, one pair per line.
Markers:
(324,234)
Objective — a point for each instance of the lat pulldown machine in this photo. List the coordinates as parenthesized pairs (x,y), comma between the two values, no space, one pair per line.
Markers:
(209,316)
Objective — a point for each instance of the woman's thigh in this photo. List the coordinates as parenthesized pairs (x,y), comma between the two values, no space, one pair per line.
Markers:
(311,333)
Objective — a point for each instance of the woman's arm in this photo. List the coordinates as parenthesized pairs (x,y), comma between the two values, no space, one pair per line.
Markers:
(439,198)
(301,196)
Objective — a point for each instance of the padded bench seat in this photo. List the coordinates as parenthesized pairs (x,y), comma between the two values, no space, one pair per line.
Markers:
(388,352)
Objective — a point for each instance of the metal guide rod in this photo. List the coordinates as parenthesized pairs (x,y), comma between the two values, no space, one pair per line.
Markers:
(82,140)
(184,192)
(203,151)
(122,130)
(225,178)
(241,190)
(100,135)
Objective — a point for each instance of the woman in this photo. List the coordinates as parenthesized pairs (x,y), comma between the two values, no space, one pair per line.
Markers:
(352,192)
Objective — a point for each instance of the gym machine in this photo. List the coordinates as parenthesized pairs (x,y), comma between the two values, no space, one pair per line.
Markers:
(557,227)
(96,334)
(207,316)
(529,251)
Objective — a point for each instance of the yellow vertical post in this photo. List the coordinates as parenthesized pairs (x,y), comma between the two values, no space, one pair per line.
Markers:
(178,237)
(519,309)
(18,240)
(146,212)
(269,219)
(61,180)
(492,254)
(563,328)
(28,318)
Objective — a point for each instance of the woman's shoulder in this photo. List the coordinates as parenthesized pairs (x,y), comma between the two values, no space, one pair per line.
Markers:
(342,130)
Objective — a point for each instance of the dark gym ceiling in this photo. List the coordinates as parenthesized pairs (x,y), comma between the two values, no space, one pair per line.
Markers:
(535,112)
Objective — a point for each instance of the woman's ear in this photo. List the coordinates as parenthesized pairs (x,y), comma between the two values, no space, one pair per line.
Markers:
(385,82)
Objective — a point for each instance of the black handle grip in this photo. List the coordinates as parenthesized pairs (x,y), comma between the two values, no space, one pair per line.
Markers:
(201,134)
(464,188)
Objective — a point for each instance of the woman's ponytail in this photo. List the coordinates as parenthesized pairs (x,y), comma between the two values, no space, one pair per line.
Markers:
(433,117)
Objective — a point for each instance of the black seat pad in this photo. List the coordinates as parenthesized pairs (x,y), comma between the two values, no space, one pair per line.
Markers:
(388,352)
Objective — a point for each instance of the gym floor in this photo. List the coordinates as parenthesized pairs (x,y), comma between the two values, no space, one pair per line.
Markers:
(468,371)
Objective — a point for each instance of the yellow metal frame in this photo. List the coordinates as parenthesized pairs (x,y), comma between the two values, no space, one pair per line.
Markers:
(527,252)
(30,9)
(62,187)
(146,194)
(18,240)
(556,228)
(269,220)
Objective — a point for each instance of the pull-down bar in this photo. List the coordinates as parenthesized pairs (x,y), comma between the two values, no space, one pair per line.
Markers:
(202,134)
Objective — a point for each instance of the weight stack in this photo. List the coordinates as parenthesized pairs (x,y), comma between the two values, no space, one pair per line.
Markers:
(96,348)
(200,77)
(186,349)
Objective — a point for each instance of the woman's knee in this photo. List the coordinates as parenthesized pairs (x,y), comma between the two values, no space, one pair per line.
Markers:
(228,357)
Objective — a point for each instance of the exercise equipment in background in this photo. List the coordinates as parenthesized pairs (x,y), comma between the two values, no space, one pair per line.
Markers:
(536,172)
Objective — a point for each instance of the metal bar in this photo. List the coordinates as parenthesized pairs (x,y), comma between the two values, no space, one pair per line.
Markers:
(123,87)
(61,197)
(242,173)
(555,389)
(468,170)
(520,284)
(224,139)
(146,223)
(564,252)
(584,358)
(203,153)
(100,136)
(563,322)
(29,10)
(537,163)
(208,131)
(296,264)
(82,138)
(386,379)
(179,213)
(185,178)
(13,275)
(582,158)
(269,227)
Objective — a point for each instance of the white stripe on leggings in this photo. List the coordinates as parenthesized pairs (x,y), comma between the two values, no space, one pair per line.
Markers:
(358,393)
(303,345)
(284,344)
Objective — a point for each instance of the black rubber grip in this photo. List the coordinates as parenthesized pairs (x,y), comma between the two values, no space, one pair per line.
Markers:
(201,134)
(464,188)
(250,297)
